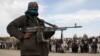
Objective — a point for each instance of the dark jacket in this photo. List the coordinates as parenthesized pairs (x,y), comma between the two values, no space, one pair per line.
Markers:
(28,46)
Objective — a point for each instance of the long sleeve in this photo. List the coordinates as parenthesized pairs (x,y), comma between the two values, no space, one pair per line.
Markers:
(14,26)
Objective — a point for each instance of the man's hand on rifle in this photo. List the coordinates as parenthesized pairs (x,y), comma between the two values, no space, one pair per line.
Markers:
(54,26)
(27,35)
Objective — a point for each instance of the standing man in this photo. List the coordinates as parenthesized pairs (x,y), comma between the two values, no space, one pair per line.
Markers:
(85,45)
(29,41)
(94,45)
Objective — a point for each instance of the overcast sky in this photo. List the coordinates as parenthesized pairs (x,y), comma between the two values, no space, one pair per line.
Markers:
(59,12)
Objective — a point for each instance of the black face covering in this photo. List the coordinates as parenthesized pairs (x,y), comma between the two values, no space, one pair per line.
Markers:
(32,11)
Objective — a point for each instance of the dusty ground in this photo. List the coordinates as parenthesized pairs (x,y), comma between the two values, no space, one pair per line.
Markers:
(17,53)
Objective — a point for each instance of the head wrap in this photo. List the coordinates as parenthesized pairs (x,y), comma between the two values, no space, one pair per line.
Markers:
(32,9)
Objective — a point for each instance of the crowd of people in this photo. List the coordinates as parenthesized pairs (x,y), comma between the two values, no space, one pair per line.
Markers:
(76,45)
(8,45)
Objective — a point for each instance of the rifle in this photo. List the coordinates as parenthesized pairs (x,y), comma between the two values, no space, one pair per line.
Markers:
(47,29)
(41,36)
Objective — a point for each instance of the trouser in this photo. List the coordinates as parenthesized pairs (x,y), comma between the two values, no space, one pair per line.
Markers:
(34,55)
(30,55)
